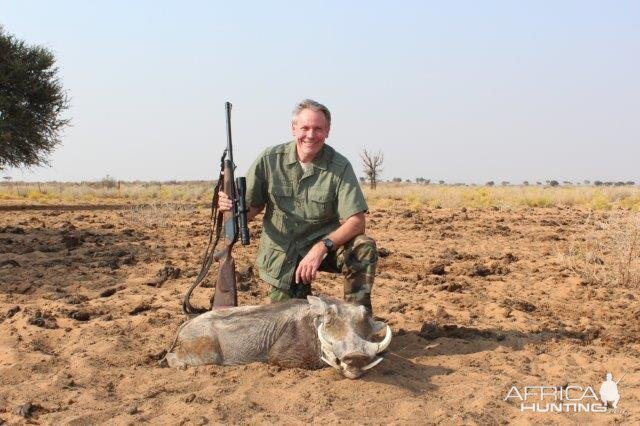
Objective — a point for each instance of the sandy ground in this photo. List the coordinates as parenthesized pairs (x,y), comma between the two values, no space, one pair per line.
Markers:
(479,301)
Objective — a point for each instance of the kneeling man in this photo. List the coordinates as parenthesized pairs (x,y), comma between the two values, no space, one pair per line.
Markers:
(314,212)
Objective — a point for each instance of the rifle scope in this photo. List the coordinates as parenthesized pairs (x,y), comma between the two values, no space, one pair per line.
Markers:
(241,189)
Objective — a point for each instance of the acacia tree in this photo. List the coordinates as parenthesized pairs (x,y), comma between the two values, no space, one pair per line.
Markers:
(32,101)
(372,166)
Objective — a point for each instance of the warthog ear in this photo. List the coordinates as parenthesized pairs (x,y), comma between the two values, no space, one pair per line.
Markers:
(318,306)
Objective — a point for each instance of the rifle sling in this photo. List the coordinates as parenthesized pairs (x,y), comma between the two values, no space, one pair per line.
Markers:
(216,228)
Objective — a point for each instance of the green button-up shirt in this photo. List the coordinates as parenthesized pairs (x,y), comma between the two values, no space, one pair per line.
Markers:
(301,207)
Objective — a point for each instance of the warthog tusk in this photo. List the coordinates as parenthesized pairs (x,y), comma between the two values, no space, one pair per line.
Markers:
(331,363)
(385,342)
(326,349)
(323,342)
(373,364)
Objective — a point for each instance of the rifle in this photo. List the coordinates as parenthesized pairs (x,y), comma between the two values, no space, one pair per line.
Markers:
(234,224)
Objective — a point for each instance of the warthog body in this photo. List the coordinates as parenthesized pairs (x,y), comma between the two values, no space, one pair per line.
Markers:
(297,333)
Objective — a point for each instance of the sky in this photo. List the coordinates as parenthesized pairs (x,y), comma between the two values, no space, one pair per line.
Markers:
(461,91)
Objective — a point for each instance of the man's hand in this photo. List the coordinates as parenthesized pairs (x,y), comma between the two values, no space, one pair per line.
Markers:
(308,266)
(224,203)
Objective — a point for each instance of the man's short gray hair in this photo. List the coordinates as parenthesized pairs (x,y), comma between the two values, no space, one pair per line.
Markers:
(312,105)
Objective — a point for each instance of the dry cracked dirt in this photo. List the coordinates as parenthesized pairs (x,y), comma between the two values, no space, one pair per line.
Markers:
(479,301)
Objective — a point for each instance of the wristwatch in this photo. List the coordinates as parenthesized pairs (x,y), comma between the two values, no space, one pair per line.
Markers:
(328,244)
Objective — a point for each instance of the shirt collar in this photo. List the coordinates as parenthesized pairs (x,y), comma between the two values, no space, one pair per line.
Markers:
(291,158)
(320,161)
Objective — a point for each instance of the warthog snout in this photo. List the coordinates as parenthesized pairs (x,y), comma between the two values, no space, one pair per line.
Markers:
(344,333)
(357,360)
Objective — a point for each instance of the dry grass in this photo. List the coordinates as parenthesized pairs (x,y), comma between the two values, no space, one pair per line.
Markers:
(105,191)
(156,215)
(610,255)
(113,192)
(442,196)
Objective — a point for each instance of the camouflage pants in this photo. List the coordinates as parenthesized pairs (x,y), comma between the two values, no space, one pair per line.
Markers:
(356,260)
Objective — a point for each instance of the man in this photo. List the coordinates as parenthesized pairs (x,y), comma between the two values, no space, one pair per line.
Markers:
(314,212)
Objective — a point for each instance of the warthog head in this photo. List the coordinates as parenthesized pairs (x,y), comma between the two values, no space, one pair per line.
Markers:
(344,331)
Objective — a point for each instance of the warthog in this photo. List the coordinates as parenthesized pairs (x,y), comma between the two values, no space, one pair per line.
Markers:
(296,333)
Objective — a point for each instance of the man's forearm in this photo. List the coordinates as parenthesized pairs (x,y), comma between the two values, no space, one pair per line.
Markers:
(351,228)
(308,266)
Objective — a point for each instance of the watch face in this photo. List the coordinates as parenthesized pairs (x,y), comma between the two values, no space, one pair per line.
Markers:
(328,243)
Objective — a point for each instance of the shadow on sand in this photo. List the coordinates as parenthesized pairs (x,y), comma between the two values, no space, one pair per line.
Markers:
(401,368)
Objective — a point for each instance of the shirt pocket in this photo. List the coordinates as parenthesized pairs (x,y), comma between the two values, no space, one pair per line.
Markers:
(281,196)
(320,205)
(272,261)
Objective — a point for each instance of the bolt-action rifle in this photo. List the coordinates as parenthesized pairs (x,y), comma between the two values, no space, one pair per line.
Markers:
(234,224)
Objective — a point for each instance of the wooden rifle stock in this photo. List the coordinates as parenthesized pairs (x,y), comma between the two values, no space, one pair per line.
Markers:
(226,292)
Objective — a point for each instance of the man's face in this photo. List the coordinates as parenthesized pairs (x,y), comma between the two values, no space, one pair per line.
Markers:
(309,130)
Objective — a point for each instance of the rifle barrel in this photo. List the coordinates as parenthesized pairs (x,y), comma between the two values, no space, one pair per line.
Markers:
(229,145)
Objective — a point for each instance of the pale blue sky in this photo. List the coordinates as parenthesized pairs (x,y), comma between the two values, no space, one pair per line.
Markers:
(461,91)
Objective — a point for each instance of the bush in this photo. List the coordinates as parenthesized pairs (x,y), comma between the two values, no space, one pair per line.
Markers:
(611,255)
(108,182)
